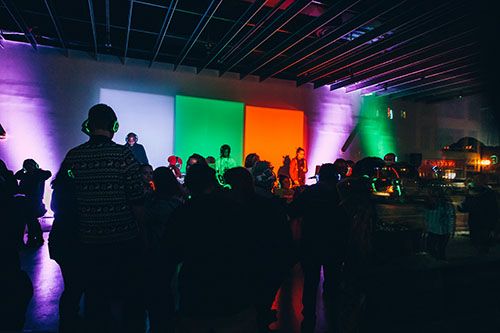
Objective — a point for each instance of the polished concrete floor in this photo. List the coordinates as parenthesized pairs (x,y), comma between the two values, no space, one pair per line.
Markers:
(42,315)
(48,285)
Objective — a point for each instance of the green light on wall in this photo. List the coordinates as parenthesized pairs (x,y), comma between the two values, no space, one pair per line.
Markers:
(376,129)
(203,125)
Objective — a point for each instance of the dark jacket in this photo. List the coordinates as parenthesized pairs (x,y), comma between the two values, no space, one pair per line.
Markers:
(139,153)
(32,185)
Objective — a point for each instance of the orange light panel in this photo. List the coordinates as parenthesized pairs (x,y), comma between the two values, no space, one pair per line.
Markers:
(273,133)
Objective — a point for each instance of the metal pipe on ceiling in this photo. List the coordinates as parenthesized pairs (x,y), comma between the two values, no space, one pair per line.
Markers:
(163,31)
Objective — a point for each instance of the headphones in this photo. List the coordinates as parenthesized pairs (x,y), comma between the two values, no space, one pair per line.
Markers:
(136,138)
(175,160)
(86,127)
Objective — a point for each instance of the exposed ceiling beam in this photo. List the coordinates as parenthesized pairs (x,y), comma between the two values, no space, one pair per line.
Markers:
(129,22)
(331,14)
(390,80)
(56,24)
(394,48)
(430,83)
(252,31)
(18,19)
(163,31)
(328,40)
(108,23)
(402,61)
(212,8)
(282,19)
(450,94)
(397,23)
(426,59)
(461,84)
(241,23)
(92,22)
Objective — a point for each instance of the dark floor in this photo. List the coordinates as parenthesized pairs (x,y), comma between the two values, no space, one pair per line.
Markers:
(47,282)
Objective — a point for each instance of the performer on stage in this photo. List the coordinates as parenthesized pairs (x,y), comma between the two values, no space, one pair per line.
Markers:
(137,149)
(298,168)
(224,163)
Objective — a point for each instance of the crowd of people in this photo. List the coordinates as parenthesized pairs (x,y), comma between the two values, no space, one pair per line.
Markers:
(205,254)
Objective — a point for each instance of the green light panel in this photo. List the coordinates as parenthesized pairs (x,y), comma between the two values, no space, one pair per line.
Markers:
(376,128)
(203,125)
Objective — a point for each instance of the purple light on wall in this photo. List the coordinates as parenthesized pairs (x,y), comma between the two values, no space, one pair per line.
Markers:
(24,114)
(330,123)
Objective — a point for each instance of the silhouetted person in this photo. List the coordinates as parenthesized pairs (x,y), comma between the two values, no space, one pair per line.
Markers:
(284,191)
(298,168)
(137,149)
(284,170)
(440,223)
(224,162)
(110,194)
(264,178)
(324,232)
(250,161)
(482,206)
(194,159)
(16,289)
(160,267)
(211,161)
(273,242)
(32,185)
(214,246)
(147,179)
(175,165)
(65,249)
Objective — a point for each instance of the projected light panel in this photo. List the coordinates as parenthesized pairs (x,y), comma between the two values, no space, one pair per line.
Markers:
(150,116)
(273,133)
(203,125)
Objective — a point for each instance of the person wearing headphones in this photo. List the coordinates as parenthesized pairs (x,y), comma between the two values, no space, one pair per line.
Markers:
(108,188)
(224,163)
(137,149)
(32,185)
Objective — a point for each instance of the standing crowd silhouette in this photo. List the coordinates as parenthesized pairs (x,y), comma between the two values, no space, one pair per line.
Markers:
(141,250)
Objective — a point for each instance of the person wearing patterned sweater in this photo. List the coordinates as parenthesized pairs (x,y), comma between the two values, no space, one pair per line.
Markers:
(109,196)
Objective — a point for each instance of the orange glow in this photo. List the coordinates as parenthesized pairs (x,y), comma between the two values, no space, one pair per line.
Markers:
(273,133)
(485,162)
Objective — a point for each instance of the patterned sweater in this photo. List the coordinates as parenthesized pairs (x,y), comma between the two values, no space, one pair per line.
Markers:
(107,184)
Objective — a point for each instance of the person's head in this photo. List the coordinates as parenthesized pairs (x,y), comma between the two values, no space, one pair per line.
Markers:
(251,159)
(200,179)
(30,165)
(341,166)
(195,159)
(263,175)
(147,172)
(328,173)
(225,150)
(286,160)
(131,138)
(165,183)
(240,180)
(285,182)
(174,161)
(300,153)
(210,161)
(102,120)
